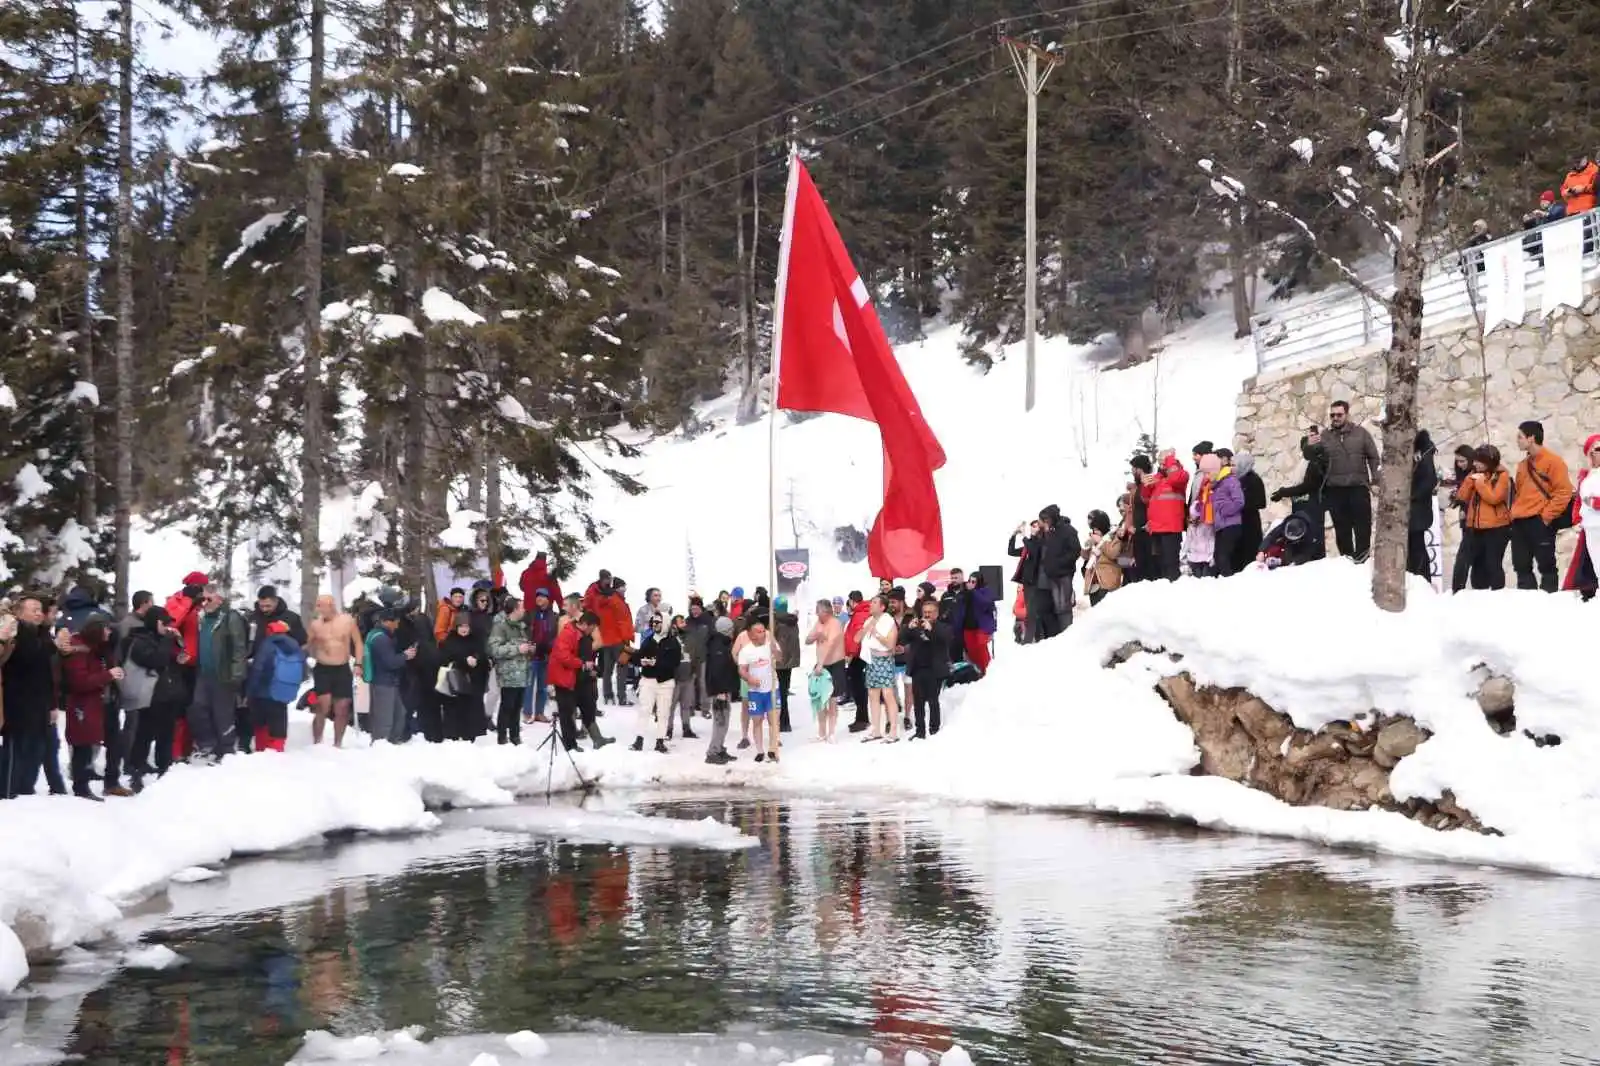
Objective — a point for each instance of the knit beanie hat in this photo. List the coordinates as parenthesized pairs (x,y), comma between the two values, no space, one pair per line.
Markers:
(725,626)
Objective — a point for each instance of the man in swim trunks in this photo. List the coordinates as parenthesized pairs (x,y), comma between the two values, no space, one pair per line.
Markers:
(757,665)
(333,643)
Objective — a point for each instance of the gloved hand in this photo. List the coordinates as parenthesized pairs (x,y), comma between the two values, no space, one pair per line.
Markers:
(1277,494)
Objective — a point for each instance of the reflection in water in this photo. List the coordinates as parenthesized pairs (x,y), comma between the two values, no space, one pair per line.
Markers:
(1025,938)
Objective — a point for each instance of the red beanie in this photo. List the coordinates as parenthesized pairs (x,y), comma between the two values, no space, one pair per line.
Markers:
(1588,445)
(195,577)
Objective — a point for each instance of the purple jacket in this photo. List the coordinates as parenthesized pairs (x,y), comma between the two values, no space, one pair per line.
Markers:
(980,610)
(1227,502)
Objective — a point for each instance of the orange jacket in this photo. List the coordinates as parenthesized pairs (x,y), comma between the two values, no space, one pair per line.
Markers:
(1487,500)
(616,620)
(445,620)
(1579,189)
(1543,488)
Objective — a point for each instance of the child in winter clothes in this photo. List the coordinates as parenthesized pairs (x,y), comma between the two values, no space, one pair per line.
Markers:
(1201,542)
(268,712)
(1227,505)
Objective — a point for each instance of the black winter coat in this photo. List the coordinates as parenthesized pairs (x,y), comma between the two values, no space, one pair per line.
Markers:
(1424,483)
(1060,551)
(927,650)
(1310,486)
(667,653)
(159,655)
(1255,501)
(455,651)
(722,676)
(259,623)
(1027,572)
(30,681)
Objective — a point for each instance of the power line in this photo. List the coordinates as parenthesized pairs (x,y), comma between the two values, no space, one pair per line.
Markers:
(994,27)
(785,137)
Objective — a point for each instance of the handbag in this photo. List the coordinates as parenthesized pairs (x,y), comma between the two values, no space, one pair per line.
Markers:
(452,681)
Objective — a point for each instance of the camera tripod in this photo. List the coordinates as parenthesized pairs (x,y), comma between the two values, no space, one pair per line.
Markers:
(553,740)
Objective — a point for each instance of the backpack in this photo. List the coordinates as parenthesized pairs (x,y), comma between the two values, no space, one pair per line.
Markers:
(288,671)
(366,658)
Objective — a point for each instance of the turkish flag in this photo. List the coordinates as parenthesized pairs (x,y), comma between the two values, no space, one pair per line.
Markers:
(834,357)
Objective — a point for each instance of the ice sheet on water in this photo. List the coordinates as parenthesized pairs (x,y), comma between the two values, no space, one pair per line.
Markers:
(410,1047)
(623,827)
(152,957)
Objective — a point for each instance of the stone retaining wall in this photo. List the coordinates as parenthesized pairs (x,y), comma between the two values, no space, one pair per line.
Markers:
(1472,390)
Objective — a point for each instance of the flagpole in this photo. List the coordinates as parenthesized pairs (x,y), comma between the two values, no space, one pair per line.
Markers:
(779,294)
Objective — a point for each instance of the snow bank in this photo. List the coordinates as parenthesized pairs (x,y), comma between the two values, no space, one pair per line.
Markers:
(68,867)
(1052,727)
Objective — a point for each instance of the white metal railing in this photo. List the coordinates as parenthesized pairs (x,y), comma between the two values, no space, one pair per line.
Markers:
(1348,324)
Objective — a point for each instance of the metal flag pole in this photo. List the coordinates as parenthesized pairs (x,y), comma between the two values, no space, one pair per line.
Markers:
(780,291)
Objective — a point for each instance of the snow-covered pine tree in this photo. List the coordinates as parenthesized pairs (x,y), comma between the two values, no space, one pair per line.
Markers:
(1378,71)
(53,155)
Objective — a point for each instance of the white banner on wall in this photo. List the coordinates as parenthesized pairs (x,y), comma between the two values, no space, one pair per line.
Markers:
(1563,265)
(1504,287)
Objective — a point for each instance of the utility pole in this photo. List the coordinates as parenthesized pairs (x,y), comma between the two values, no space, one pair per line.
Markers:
(1033,65)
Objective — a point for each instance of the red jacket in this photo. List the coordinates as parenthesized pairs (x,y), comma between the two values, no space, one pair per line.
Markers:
(1166,498)
(186,619)
(537,576)
(85,675)
(852,632)
(564,661)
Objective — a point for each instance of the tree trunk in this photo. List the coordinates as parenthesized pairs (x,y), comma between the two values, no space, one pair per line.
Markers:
(123,520)
(1404,357)
(748,400)
(88,497)
(313,143)
(1236,238)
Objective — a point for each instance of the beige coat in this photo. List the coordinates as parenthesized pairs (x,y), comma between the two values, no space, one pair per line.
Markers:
(1100,569)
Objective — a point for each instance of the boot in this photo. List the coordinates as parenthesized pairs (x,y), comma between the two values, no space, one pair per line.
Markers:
(637,745)
(601,741)
(661,747)
(689,734)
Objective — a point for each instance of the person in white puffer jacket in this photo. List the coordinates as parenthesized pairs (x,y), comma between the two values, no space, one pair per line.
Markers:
(1587,506)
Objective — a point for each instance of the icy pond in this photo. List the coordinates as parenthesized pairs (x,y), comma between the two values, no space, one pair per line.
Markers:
(854,928)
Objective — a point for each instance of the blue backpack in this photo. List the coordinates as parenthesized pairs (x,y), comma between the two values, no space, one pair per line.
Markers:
(288,671)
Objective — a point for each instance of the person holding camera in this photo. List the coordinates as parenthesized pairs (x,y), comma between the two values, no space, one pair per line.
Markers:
(928,659)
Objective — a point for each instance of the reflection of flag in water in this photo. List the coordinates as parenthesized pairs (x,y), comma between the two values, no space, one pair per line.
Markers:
(900,1032)
(561,904)
(611,889)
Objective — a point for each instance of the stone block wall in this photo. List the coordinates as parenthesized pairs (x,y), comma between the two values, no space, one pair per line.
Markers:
(1472,389)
